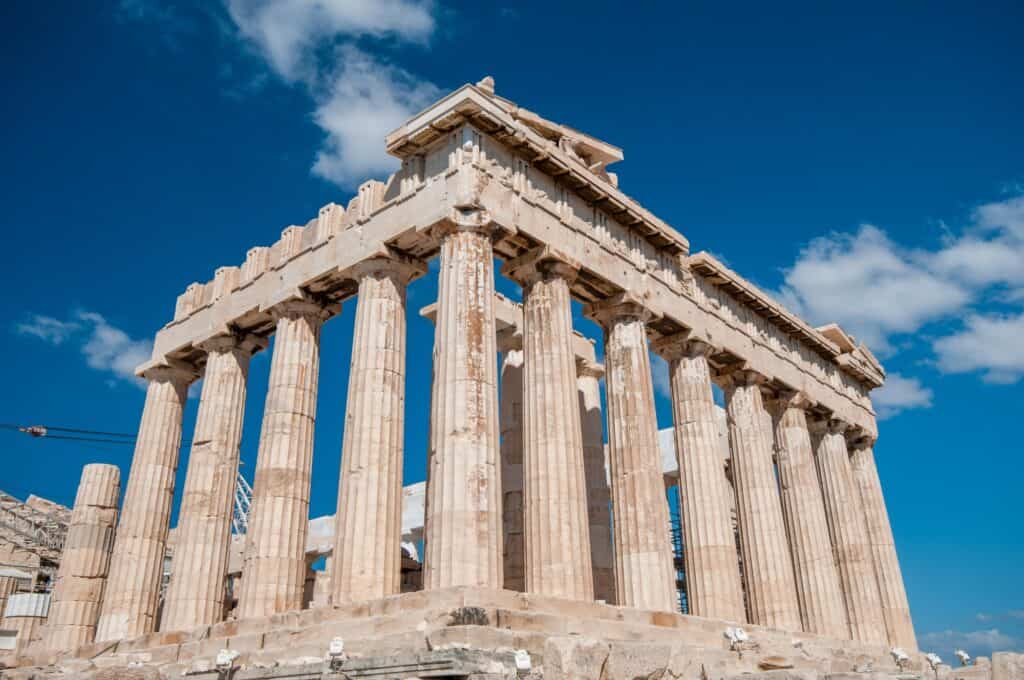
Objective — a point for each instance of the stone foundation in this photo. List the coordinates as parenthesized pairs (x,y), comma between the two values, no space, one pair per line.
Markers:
(474,633)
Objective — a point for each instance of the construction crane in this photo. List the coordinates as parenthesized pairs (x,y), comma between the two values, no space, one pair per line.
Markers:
(34,530)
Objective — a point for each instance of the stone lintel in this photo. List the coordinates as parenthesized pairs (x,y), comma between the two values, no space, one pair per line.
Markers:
(621,305)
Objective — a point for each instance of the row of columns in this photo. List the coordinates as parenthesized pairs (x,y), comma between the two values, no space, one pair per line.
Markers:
(789,536)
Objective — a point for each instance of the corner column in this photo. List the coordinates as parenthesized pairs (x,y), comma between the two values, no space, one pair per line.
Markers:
(196,593)
(510,344)
(367,550)
(713,587)
(602,560)
(767,563)
(822,609)
(75,603)
(136,568)
(462,530)
(274,567)
(554,484)
(882,545)
(849,535)
(644,569)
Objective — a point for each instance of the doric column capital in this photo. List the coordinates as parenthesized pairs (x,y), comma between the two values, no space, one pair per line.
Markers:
(472,219)
(740,377)
(227,341)
(784,399)
(621,306)
(585,368)
(540,264)
(398,267)
(169,370)
(858,438)
(300,304)
(822,425)
(681,345)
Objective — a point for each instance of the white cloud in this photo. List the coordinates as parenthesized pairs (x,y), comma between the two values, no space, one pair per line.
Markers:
(978,642)
(874,289)
(988,343)
(105,347)
(289,32)
(900,393)
(46,328)
(359,97)
(366,101)
(111,349)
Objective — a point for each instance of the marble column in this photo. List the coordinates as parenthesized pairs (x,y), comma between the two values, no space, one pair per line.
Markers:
(85,560)
(644,568)
(368,533)
(554,484)
(462,530)
(137,564)
(849,535)
(713,587)
(895,608)
(822,609)
(510,344)
(767,563)
(274,566)
(195,595)
(602,559)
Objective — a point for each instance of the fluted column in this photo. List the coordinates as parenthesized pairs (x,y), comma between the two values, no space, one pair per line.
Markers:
(767,563)
(602,559)
(367,548)
(136,568)
(849,536)
(822,609)
(196,593)
(463,504)
(713,587)
(75,603)
(554,484)
(644,569)
(895,608)
(510,344)
(274,568)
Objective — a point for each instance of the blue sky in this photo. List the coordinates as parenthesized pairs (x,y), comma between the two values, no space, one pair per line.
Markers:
(863,163)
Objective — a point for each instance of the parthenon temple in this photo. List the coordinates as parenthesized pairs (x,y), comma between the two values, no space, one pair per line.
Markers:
(544,544)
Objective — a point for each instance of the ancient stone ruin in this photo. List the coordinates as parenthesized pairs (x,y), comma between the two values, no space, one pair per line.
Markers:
(545,552)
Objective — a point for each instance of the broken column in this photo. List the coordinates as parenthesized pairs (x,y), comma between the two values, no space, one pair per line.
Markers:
(462,530)
(644,568)
(195,595)
(554,485)
(510,344)
(822,609)
(713,587)
(367,558)
(85,560)
(136,568)
(274,568)
(849,535)
(602,560)
(767,563)
(895,608)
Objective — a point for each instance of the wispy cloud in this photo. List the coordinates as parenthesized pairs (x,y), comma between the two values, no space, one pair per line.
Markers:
(885,294)
(105,347)
(976,642)
(359,95)
(900,393)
